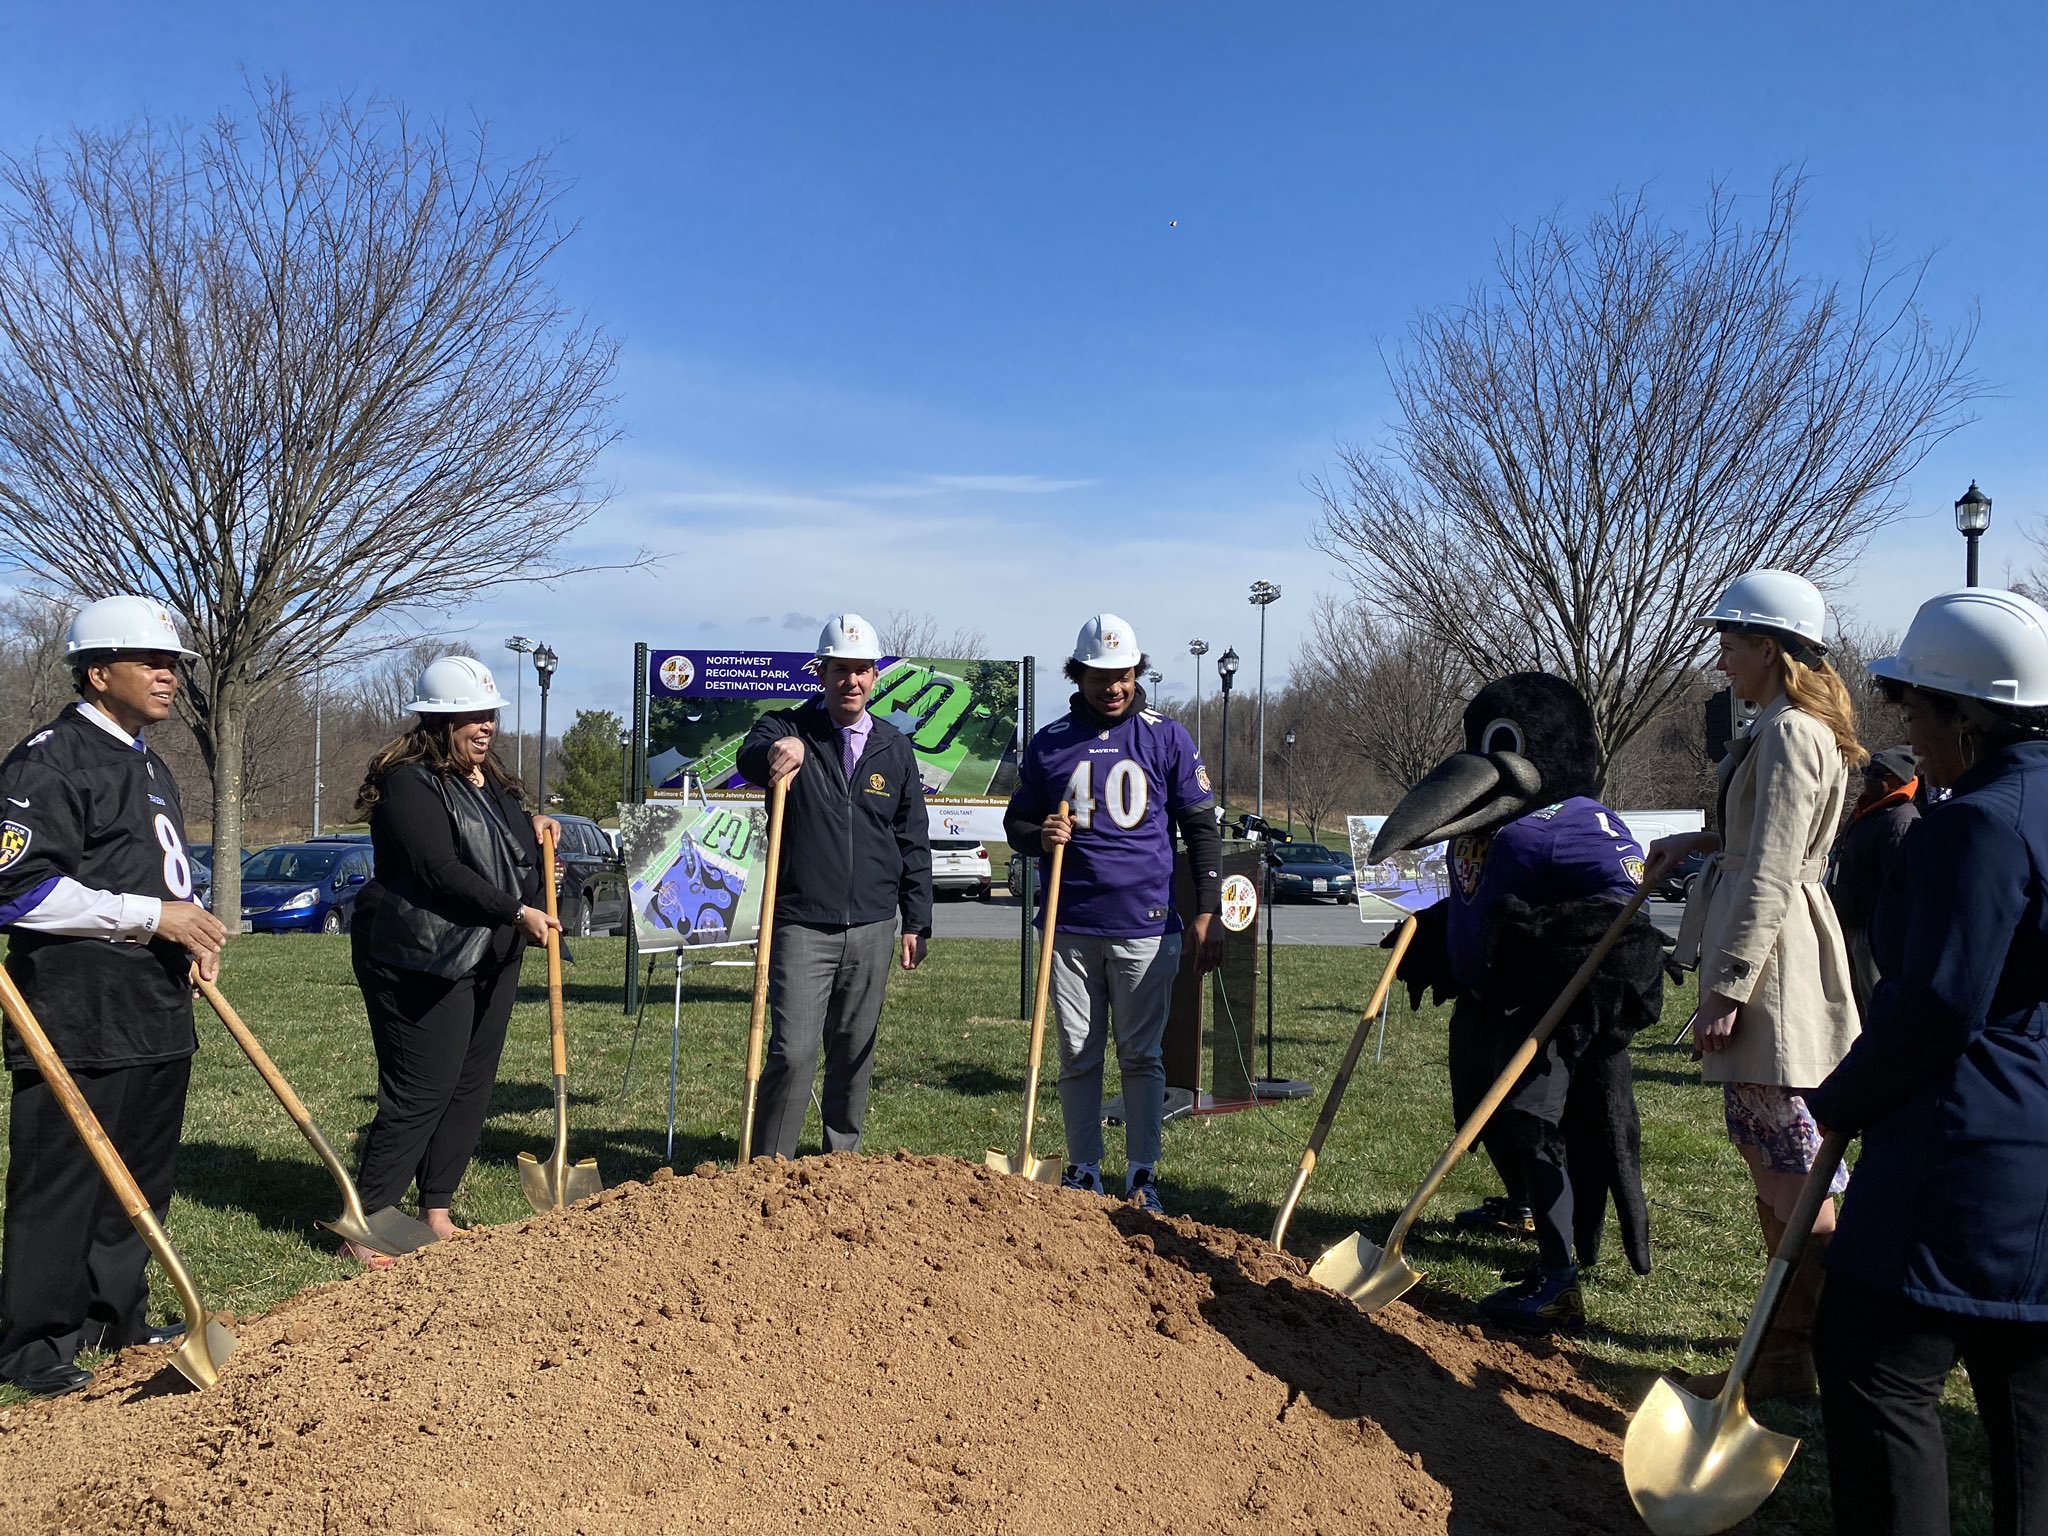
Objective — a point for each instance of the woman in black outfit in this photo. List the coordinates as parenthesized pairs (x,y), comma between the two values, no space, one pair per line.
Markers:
(438,936)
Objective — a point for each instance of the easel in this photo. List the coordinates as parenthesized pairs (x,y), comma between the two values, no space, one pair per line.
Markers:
(684,960)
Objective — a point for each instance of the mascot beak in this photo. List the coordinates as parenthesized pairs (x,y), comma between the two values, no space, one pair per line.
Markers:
(1464,791)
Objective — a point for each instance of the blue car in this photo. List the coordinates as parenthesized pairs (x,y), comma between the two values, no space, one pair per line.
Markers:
(303,887)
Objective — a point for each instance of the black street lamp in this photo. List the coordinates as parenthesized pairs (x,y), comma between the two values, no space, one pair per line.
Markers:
(1287,741)
(1226,668)
(544,661)
(1973,516)
(1153,679)
(1198,649)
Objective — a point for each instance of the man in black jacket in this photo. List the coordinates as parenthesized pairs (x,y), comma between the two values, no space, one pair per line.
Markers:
(1866,852)
(856,856)
(96,895)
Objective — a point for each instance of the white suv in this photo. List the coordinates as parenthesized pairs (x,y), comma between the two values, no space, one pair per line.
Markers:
(960,864)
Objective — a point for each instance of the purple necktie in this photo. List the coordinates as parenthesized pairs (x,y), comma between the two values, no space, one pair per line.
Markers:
(849,752)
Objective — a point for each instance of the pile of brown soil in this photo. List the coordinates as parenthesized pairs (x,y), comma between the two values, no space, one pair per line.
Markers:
(908,1344)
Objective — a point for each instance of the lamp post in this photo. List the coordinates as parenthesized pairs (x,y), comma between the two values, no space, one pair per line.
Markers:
(1973,516)
(1153,679)
(1198,649)
(1226,668)
(544,660)
(519,645)
(1264,595)
(1287,741)
(318,699)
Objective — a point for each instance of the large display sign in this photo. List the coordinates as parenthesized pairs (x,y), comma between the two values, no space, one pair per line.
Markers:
(694,872)
(960,716)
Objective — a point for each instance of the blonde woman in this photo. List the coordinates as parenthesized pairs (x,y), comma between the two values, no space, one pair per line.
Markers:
(1777,1010)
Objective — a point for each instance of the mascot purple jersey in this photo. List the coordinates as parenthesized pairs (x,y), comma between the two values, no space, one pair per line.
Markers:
(1126,784)
(1565,852)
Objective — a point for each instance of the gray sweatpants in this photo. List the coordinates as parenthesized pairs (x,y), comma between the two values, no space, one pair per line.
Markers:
(825,989)
(1095,981)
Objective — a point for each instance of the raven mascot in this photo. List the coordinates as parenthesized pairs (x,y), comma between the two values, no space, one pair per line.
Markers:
(1537,868)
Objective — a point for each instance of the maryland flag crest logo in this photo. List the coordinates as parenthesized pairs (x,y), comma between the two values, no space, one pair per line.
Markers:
(14,841)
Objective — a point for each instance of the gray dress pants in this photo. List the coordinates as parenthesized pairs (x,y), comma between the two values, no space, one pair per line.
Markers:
(825,988)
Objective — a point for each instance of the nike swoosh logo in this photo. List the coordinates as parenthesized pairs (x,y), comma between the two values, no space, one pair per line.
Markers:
(22,803)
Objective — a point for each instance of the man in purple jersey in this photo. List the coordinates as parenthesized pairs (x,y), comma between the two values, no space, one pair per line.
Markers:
(1129,777)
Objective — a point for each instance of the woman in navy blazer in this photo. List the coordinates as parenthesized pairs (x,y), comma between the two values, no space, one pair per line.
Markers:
(1942,1249)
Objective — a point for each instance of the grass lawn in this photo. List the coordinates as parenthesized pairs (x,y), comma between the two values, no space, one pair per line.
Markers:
(948,1081)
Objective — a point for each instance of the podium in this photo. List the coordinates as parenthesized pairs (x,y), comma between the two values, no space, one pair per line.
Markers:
(1221,1010)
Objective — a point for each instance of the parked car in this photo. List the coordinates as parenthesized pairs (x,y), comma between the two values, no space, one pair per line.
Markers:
(339,837)
(1309,872)
(961,864)
(201,855)
(303,887)
(1677,886)
(590,879)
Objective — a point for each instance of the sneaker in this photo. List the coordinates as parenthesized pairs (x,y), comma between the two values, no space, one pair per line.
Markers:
(1497,1214)
(1540,1301)
(1087,1180)
(1144,1193)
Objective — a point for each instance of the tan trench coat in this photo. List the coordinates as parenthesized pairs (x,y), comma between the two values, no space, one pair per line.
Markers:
(1759,923)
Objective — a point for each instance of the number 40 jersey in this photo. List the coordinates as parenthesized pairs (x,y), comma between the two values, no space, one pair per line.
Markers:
(80,804)
(1125,783)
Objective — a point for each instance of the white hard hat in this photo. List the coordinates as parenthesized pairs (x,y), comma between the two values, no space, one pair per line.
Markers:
(124,624)
(1978,643)
(1108,642)
(1776,600)
(849,637)
(456,685)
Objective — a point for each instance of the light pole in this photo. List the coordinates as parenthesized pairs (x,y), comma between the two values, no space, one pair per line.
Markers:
(519,645)
(1153,679)
(1264,595)
(318,692)
(544,660)
(1973,516)
(1226,668)
(1198,649)
(1287,741)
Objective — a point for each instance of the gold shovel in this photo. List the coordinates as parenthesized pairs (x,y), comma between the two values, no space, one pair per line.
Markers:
(1695,1465)
(1342,1081)
(1043,1170)
(388,1231)
(1371,1276)
(557,1182)
(757,1023)
(206,1342)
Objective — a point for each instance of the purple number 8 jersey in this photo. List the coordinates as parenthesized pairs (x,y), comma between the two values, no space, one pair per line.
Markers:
(1125,784)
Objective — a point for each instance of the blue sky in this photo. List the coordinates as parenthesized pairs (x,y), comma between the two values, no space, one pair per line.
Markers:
(905,325)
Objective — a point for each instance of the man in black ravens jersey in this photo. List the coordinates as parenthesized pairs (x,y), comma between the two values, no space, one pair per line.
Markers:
(96,895)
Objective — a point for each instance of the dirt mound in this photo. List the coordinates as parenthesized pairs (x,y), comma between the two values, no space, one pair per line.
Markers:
(908,1344)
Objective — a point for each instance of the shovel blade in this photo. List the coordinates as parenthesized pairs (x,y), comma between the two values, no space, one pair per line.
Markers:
(537,1182)
(1695,1465)
(1357,1269)
(389,1231)
(202,1351)
(1039,1170)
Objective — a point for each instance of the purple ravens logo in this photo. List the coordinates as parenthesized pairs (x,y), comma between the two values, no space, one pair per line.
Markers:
(1468,858)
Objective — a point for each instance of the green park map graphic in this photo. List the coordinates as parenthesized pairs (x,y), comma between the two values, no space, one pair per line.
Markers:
(960,716)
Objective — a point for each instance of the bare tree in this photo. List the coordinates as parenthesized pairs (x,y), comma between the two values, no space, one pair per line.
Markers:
(1588,451)
(909,633)
(295,375)
(35,681)
(1392,692)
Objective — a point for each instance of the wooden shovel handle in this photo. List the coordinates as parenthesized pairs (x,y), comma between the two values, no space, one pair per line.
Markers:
(1504,1084)
(1044,992)
(558,1034)
(757,1022)
(253,1049)
(1342,1080)
(112,1169)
